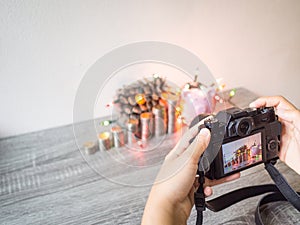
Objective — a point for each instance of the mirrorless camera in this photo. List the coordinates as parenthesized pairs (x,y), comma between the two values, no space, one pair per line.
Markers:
(240,139)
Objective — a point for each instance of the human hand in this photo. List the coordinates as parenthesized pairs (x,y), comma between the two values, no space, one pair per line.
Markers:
(172,196)
(289,116)
(208,191)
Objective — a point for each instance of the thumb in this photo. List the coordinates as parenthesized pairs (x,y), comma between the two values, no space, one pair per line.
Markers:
(199,145)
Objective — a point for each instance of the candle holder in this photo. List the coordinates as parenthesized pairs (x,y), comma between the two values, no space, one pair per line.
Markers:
(160,120)
(146,125)
(132,126)
(172,101)
(105,141)
(118,136)
(89,147)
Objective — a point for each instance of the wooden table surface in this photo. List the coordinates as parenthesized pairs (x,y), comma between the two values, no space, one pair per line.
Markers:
(45,179)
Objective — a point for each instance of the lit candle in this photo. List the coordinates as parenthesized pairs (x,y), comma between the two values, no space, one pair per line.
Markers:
(104,139)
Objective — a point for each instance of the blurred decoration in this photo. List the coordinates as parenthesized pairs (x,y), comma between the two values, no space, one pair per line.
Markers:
(139,97)
(197,98)
(89,147)
(153,103)
(232,93)
(105,123)
(152,107)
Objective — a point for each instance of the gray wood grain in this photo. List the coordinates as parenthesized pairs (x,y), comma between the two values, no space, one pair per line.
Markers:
(44,179)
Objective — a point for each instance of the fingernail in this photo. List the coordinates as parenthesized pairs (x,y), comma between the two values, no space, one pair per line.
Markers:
(204,132)
(208,191)
(251,104)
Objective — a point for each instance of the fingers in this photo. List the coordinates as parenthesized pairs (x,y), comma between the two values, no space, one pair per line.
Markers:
(292,116)
(265,102)
(278,102)
(184,142)
(191,133)
(208,191)
(284,109)
(209,182)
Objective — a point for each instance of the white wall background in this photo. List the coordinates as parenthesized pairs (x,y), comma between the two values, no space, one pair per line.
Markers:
(47,46)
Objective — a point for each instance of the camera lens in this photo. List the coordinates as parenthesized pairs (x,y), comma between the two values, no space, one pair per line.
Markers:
(244,126)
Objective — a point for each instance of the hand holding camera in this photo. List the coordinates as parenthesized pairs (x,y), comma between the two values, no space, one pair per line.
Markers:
(175,185)
(255,134)
(240,139)
(289,116)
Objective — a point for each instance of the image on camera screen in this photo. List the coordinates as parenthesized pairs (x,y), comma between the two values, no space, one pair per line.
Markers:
(242,153)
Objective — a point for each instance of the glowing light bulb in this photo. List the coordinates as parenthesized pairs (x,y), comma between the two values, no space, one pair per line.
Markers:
(187,86)
(179,119)
(178,109)
(140,99)
(105,123)
(155,76)
(232,92)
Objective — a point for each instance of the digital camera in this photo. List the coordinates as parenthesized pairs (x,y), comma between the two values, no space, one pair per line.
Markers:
(240,139)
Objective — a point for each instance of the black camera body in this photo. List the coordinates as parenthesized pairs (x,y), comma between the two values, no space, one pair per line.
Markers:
(240,139)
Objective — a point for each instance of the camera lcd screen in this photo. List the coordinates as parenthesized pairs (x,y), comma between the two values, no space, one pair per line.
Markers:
(242,153)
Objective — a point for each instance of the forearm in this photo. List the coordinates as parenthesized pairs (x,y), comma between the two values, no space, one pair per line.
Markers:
(159,211)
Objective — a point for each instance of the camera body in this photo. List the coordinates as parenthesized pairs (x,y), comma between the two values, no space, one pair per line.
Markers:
(240,139)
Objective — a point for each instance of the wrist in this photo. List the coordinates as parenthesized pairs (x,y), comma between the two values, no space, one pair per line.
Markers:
(159,210)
